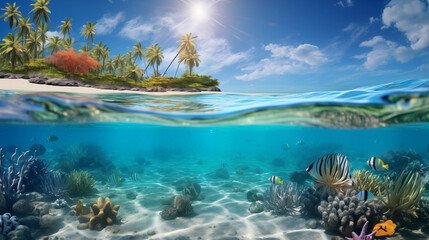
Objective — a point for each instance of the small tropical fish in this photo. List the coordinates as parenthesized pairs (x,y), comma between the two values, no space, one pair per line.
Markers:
(135,177)
(300,143)
(201,162)
(383,229)
(52,138)
(377,164)
(239,171)
(275,179)
(365,195)
(285,147)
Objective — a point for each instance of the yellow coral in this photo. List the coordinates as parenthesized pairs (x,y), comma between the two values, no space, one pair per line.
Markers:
(365,180)
(402,198)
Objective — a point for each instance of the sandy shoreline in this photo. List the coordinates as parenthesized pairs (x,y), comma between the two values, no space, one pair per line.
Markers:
(25,86)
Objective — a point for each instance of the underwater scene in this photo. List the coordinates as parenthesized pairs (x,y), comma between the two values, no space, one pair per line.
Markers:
(319,165)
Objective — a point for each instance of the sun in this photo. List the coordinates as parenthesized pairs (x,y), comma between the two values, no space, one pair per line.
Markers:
(200,11)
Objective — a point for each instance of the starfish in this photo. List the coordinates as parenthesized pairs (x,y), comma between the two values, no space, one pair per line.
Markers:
(362,235)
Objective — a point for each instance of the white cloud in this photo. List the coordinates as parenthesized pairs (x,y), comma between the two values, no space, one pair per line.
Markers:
(215,52)
(108,23)
(410,17)
(50,34)
(383,51)
(284,59)
(373,19)
(355,30)
(345,3)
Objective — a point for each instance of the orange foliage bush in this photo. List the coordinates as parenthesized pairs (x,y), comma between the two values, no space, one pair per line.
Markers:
(71,61)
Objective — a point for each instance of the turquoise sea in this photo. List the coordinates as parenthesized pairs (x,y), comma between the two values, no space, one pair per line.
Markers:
(142,150)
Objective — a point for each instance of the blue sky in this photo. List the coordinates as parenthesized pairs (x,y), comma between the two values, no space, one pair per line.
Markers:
(270,45)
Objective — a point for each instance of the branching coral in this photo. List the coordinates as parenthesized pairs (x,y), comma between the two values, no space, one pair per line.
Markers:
(55,184)
(81,183)
(103,213)
(365,180)
(282,199)
(345,213)
(402,198)
(309,201)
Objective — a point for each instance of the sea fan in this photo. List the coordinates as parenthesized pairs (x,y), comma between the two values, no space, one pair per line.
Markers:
(283,199)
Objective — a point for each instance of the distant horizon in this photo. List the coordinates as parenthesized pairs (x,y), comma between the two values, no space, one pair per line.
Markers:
(266,46)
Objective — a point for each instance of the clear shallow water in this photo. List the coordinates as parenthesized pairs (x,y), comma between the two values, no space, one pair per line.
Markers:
(191,136)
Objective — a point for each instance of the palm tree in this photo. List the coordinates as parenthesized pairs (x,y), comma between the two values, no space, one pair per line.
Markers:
(33,43)
(54,44)
(41,10)
(154,57)
(68,43)
(85,48)
(191,58)
(88,32)
(181,59)
(12,14)
(105,53)
(24,29)
(116,61)
(110,68)
(186,43)
(11,49)
(43,29)
(138,51)
(66,26)
(134,72)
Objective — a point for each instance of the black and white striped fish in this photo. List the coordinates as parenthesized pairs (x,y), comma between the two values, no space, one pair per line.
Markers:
(275,179)
(365,195)
(330,164)
(377,164)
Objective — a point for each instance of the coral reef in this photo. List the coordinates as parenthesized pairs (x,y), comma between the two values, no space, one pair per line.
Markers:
(12,179)
(81,183)
(299,177)
(362,235)
(55,184)
(8,223)
(309,201)
(345,213)
(403,196)
(409,161)
(365,180)
(34,173)
(282,199)
(103,213)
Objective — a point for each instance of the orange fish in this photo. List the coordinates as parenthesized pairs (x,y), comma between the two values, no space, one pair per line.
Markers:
(383,229)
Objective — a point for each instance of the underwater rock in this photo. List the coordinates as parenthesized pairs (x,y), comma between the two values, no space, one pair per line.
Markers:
(37,149)
(192,190)
(313,224)
(282,199)
(30,221)
(22,207)
(183,205)
(256,207)
(345,213)
(409,161)
(299,177)
(253,196)
(151,232)
(221,173)
(8,223)
(103,213)
(181,183)
(21,232)
(48,222)
(131,196)
(169,213)
(41,208)
(82,226)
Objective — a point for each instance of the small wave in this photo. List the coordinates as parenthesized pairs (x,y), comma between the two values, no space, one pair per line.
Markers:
(389,104)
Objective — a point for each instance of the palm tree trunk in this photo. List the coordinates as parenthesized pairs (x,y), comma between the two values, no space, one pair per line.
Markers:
(177,69)
(22,51)
(147,75)
(35,49)
(87,44)
(43,49)
(172,61)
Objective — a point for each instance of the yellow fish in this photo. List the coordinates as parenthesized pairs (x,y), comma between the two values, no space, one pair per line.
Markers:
(239,171)
(383,229)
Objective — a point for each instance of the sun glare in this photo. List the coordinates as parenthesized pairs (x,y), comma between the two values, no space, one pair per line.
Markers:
(200,11)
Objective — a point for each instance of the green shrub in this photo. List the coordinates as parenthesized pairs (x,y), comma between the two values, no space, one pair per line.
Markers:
(188,81)
(81,183)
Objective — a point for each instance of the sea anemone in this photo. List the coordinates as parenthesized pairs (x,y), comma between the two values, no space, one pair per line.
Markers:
(365,180)
(283,199)
(402,198)
(81,183)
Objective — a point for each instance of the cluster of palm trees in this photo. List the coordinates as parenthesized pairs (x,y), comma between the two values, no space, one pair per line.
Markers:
(32,41)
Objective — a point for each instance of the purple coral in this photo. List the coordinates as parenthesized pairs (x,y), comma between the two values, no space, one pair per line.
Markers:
(362,235)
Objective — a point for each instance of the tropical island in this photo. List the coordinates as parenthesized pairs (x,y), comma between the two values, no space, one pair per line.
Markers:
(28,53)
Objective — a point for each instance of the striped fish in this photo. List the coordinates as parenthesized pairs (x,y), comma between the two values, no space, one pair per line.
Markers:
(136,178)
(330,164)
(365,195)
(275,179)
(377,164)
